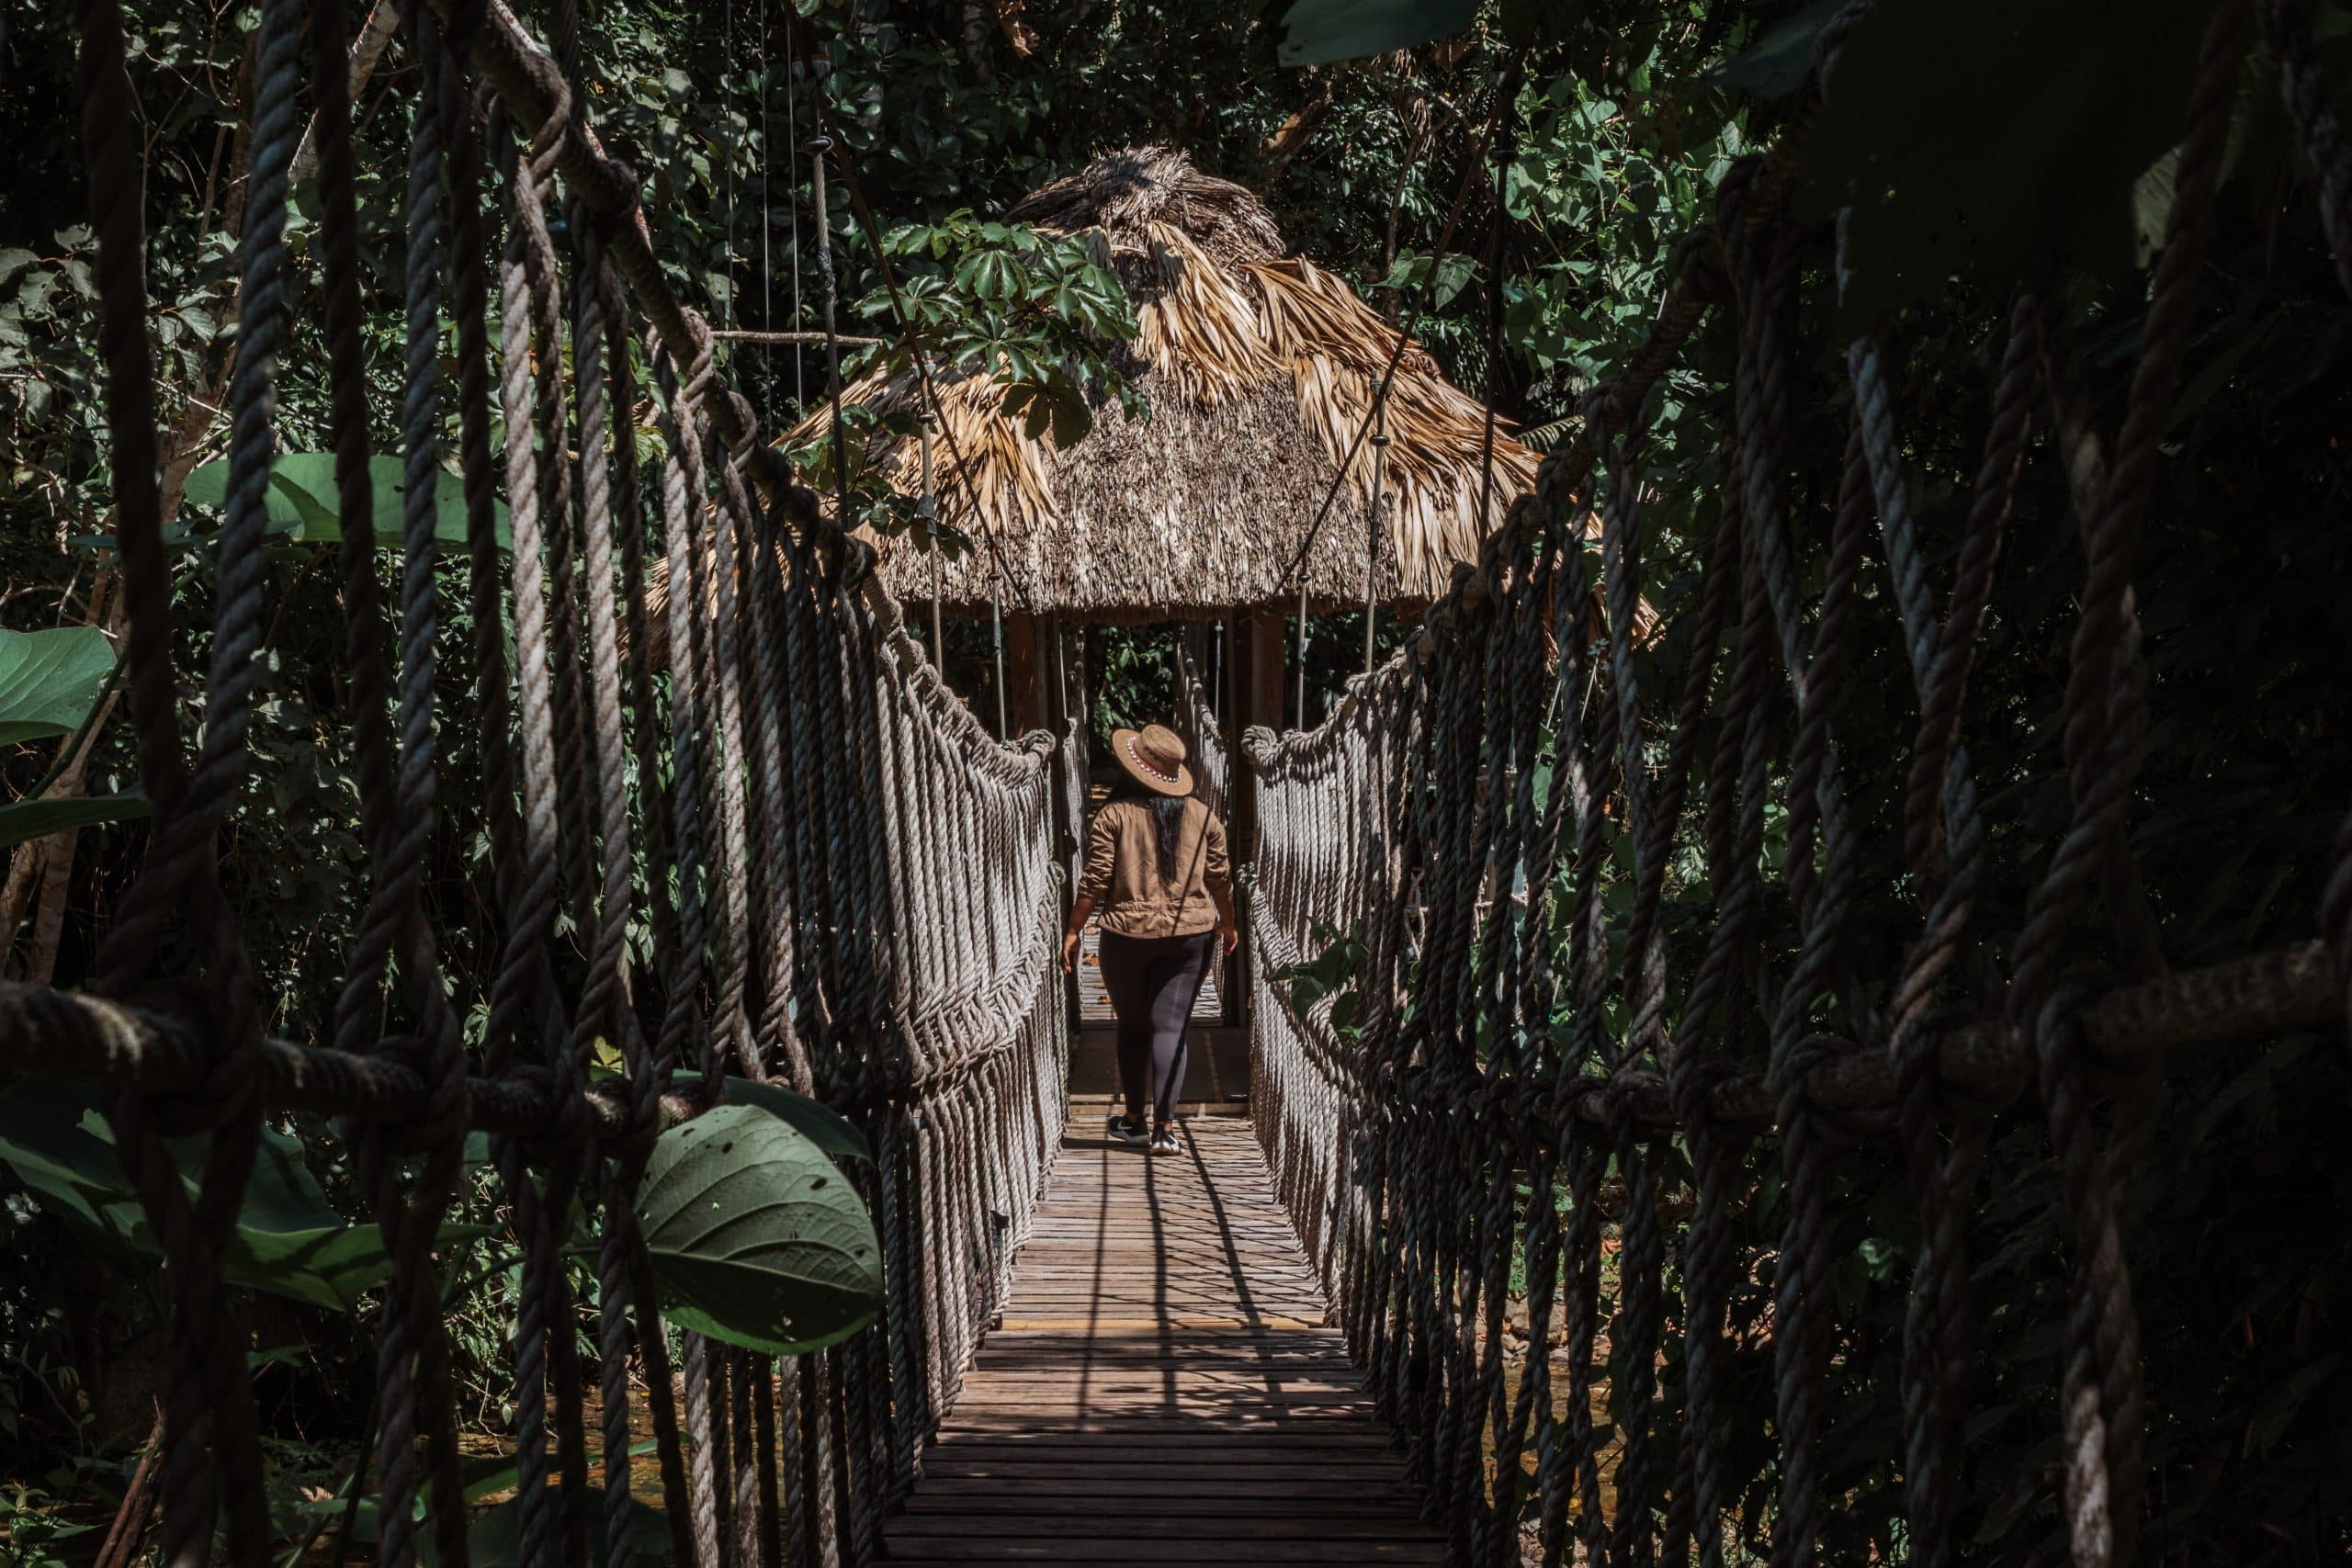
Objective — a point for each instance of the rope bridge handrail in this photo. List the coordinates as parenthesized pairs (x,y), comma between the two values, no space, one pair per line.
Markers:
(851,889)
(1204,735)
(1492,821)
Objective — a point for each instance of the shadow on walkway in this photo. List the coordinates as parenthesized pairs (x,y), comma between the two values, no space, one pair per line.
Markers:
(1162,1389)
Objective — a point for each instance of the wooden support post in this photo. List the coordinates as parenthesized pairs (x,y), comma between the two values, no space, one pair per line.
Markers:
(1255,639)
(1195,634)
(1024,674)
(1261,690)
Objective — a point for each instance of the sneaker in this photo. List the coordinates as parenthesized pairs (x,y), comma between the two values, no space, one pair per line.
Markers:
(1127,1131)
(1164,1142)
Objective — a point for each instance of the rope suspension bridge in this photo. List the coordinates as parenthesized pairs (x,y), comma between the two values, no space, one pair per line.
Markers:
(854,889)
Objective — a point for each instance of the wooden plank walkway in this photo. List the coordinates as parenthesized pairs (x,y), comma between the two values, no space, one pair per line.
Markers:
(1162,1389)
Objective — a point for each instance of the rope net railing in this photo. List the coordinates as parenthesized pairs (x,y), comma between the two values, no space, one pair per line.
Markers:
(1520,1142)
(846,886)
(1204,735)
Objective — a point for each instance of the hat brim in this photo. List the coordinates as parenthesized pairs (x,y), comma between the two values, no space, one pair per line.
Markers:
(1123,750)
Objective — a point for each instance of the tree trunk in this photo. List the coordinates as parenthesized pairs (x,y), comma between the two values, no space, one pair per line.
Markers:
(976,20)
(41,871)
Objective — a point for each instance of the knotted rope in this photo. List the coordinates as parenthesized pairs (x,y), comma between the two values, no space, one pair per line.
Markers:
(851,887)
(1456,1115)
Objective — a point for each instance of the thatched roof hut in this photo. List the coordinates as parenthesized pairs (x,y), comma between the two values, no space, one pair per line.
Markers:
(1259,368)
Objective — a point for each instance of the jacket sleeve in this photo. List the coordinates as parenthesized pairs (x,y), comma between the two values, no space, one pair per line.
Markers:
(1102,843)
(1216,869)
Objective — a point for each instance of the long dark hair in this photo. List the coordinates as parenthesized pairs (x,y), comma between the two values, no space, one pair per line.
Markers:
(1167,820)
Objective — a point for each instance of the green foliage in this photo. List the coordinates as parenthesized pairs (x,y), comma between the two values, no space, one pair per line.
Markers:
(494,1539)
(493,1536)
(1336,972)
(1316,32)
(32,1531)
(301,499)
(1031,312)
(757,1238)
(813,1120)
(24,819)
(1132,672)
(288,1241)
(1998,142)
(50,680)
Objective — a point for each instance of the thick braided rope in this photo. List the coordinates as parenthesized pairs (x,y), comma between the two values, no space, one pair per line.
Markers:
(412,1367)
(683,1020)
(1695,1501)
(605,1004)
(209,1441)
(574,722)
(718,577)
(773,865)
(523,994)
(650,1064)
(1641,1258)
(2100,1394)
(524,983)
(1945,843)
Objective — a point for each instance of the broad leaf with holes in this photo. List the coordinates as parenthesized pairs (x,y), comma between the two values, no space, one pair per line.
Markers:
(757,1238)
(826,1127)
(50,680)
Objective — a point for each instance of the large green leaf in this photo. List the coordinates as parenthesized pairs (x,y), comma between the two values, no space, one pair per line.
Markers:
(22,821)
(757,1238)
(302,503)
(819,1123)
(50,680)
(1776,66)
(1995,141)
(288,1240)
(1316,31)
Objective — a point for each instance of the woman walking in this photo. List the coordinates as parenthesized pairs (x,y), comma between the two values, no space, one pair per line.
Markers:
(1156,866)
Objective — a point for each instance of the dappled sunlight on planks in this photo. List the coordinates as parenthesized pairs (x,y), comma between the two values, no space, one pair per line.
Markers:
(1162,1388)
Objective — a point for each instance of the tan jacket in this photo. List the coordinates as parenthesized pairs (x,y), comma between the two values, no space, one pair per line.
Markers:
(1122,876)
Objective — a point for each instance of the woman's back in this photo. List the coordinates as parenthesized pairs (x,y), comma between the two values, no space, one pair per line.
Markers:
(1145,882)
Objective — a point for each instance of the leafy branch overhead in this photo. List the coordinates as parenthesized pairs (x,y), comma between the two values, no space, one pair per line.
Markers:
(1030,310)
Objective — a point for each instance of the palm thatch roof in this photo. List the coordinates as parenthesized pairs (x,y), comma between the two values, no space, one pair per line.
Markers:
(1258,369)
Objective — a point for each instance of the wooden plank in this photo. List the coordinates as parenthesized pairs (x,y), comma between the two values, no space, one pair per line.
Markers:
(1089,1477)
(977,1450)
(1122,1548)
(1163,1387)
(1309,1522)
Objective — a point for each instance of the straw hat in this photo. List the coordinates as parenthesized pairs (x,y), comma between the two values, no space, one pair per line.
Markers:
(1154,758)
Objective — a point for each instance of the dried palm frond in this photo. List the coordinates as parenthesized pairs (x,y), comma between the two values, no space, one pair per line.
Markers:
(1124,192)
(1259,372)
(1200,334)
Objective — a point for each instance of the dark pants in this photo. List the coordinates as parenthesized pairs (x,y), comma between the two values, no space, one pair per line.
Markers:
(1152,982)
